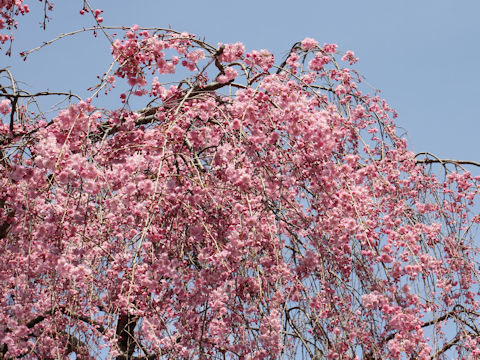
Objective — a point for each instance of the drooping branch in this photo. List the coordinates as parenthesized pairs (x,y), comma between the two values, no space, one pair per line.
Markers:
(148,115)
(73,342)
(447,346)
(437,160)
(454,313)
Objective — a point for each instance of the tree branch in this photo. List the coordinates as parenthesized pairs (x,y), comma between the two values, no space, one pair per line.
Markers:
(126,342)
(443,161)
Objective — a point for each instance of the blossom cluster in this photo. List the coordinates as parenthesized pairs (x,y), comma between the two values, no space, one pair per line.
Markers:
(248,212)
(9,9)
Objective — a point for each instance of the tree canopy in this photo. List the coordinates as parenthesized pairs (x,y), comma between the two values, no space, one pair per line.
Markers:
(251,209)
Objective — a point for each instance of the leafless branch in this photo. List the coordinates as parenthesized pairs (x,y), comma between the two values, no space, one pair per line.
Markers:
(443,161)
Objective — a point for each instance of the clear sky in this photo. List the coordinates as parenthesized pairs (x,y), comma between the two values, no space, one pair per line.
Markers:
(423,55)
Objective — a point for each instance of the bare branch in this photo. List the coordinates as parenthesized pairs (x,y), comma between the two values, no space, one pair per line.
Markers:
(443,161)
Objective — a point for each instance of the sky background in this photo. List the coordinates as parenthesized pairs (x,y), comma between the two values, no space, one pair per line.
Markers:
(423,55)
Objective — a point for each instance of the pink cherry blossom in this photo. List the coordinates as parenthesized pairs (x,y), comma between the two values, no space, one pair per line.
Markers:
(309,44)
(350,57)
(5,107)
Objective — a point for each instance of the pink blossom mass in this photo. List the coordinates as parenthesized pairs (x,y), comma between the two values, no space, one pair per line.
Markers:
(249,209)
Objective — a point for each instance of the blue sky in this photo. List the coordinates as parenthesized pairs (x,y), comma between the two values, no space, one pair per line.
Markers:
(423,55)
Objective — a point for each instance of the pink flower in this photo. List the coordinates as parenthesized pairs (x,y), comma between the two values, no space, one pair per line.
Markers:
(232,52)
(330,48)
(350,57)
(262,58)
(236,124)
(340,90)
(292,60)
(318,62)
(230,74)
(5,107)
(309,43)
(196,55)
